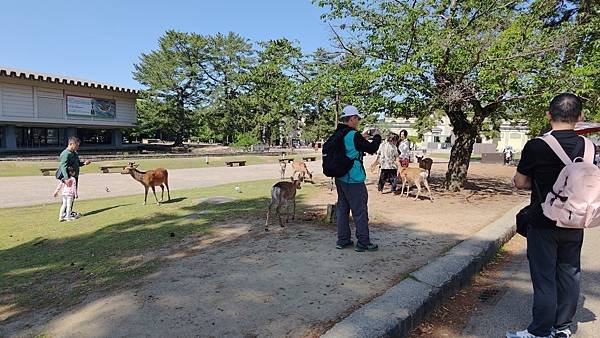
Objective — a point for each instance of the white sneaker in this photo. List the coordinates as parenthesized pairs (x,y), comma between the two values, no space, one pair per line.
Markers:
(566,333)
(523,334)
(75,215)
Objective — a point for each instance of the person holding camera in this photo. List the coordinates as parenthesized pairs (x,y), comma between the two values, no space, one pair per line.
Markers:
(351,188)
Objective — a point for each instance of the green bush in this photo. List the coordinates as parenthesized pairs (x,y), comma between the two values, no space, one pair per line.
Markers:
(245,140)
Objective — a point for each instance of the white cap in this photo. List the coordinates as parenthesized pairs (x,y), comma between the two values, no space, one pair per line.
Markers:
(350,111)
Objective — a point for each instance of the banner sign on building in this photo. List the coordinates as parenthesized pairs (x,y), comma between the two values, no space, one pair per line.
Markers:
(77,105)
(104,108)
(89,106)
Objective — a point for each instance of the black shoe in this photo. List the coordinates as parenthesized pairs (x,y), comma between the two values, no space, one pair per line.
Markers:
(362,248)
(341,246)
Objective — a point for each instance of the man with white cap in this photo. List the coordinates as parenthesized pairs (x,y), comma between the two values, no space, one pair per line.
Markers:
(351,188)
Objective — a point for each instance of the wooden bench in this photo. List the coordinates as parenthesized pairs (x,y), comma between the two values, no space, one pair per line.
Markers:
(105,168)
(309,158)
(288,160)
(231,163)
(47,171)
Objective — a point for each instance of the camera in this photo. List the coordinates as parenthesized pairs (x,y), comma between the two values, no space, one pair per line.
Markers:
(371,132)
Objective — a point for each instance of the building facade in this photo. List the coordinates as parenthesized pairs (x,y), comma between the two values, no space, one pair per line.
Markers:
(441,136)
(41,111)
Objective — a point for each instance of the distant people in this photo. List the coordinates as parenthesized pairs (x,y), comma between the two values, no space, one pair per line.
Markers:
(388,158)
(70,158)
(508,155)
(351,188)
(554,253)
(404,148)
(68,190)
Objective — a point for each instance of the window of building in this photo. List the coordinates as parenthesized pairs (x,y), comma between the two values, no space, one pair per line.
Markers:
(95,136)
(436,139)
(37,137)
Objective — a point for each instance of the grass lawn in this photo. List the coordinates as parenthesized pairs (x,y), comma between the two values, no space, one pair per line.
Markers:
(32,168)
(45,263)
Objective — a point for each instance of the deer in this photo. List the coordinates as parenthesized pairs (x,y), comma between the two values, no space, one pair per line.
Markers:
(425,163)
(282,166)
(414,176)
(149,179)
(282,193)
(301,167)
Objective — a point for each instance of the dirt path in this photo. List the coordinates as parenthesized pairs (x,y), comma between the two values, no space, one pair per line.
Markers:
(287,282)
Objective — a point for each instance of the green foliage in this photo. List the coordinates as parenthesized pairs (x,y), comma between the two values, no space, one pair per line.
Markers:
(245,140)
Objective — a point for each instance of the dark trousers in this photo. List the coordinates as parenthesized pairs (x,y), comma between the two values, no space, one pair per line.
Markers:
(388,175)
(554,263)
(352,197)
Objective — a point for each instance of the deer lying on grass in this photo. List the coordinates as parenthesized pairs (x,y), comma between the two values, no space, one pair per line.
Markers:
(282,166)
(414,176)
(149,179)
(283,193)
(425,163)
(300,167)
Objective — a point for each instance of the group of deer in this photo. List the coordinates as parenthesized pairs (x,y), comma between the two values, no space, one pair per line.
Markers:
(413,176)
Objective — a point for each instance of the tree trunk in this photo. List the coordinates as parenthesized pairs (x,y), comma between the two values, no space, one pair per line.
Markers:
(460,157)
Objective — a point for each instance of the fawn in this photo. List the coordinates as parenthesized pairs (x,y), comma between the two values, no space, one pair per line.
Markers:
(283,193)
(150,178)
(414,176)
(300,166)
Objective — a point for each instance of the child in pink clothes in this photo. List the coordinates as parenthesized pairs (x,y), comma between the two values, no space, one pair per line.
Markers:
(68,189)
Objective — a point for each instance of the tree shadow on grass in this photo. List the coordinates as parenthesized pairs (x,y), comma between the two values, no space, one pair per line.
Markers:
(58,272)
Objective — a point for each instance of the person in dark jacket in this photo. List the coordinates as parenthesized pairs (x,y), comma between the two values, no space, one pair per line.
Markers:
(554,253)
(70,158)
(351,188)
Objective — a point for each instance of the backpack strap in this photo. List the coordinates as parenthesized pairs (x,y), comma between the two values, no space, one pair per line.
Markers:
(557,149)
(589,150)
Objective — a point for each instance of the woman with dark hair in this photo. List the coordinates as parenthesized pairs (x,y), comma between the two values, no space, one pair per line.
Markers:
(404,148)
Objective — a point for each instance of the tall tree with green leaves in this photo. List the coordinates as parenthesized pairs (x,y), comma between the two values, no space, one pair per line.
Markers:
(173,82)
(475,60)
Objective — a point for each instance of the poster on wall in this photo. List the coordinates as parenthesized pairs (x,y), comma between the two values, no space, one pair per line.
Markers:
(89,106)
(104,108)
(78,105)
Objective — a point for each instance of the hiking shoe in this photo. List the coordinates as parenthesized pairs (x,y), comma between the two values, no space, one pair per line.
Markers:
(523,334)
(565,333)
(362,248)
(341,246)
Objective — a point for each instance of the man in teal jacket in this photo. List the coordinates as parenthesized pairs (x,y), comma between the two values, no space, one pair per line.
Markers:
(70,158)
(351,188)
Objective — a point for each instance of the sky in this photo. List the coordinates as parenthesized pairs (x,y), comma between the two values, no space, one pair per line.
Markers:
(101,40)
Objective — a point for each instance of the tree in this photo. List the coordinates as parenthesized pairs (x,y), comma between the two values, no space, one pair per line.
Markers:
(477,61)
(174,82)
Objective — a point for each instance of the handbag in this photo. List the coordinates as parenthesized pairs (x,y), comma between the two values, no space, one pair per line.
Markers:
(58,174)
(523,216)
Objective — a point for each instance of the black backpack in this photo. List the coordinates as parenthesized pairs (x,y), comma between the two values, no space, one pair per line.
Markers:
(335,161)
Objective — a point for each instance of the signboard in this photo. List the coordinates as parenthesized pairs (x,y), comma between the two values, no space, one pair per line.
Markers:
(77,105)
(89,106)
(104,108)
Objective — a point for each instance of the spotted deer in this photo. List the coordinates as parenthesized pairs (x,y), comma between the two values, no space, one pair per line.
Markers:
(284,193)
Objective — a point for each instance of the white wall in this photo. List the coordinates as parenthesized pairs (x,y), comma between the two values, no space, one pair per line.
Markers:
(45,103)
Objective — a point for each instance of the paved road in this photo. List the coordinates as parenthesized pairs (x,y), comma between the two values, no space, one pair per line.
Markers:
(32,190)
(513,310)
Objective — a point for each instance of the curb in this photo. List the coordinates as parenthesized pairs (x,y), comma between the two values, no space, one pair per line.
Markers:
(404,306)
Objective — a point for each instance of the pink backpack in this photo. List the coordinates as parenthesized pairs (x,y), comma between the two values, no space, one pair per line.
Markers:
(574,201)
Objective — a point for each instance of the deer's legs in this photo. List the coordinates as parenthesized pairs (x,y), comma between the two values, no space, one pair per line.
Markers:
(154,192)
(145,195)
(268,214)
(278,211)
(418,184)
(162,193)
(428,190)
(294,209)
(168,192)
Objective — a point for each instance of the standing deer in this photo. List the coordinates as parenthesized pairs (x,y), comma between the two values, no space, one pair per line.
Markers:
(425,163)
(282,166)
(283,193)
(300,167)
(414,176)
(150,178)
